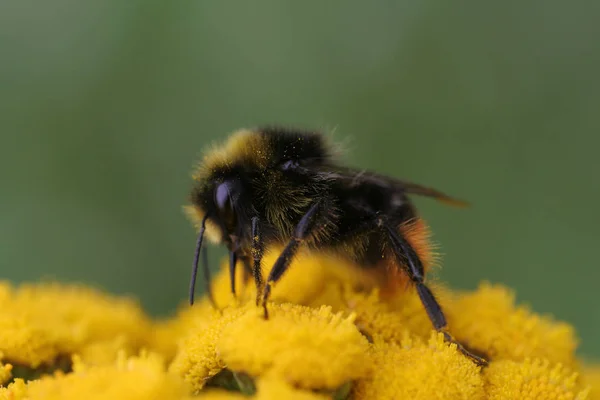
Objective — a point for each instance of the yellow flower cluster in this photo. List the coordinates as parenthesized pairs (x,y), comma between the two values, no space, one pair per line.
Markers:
(331,335)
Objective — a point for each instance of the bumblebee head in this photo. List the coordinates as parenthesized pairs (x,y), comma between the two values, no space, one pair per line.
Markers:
(235,180)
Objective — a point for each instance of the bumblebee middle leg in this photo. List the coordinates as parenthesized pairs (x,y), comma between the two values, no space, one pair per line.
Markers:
(414,268)
(232,267)
(257,254)
(303,229)
(250,269)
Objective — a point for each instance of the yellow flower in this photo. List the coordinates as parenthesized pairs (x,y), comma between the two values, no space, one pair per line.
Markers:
(306,347)
(489,320)
(334,331)
(143,377)
(532,379)
(409,360)
(40,322)
(418,369)
(22,341)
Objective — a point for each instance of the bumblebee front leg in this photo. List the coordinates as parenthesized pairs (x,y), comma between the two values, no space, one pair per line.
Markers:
(257,253)
(405,253)
(302,230)
(232,267)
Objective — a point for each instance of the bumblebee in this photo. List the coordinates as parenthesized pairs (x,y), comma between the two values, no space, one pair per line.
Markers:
(275,186)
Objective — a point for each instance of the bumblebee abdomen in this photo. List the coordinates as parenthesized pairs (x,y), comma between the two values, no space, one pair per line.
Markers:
(371,250)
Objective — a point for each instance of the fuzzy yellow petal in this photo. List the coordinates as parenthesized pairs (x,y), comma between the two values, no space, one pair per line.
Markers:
(533,379)
(307,347)
(417,369)
(489,320)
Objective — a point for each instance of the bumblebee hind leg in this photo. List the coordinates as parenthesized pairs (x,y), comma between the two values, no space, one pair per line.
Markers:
(414,268)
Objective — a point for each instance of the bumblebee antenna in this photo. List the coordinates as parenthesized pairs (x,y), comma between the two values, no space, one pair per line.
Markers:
(196,258)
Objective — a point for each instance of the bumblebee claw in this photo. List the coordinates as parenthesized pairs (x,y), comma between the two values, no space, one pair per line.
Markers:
(478,360)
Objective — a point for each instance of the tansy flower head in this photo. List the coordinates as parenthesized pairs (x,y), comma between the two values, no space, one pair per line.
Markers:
(40,322)
(406,360)
(420,370)
(143,377)
(532,379)
(303,346)
(306,347)
(332,333)
(489,319)
(198,358)
(23,341)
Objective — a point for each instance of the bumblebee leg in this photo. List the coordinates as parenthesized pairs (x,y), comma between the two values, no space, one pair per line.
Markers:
(303,229)
(408,256)
(232,265)
(257,253)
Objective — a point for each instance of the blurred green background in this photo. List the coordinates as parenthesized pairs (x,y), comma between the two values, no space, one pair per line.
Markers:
(106,105)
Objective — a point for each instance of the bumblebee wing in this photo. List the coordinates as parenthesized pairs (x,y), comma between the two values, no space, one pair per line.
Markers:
(361,176)
(413,188)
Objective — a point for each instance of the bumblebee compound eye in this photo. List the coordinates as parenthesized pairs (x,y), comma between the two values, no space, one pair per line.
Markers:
(224,203)
(289,165)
